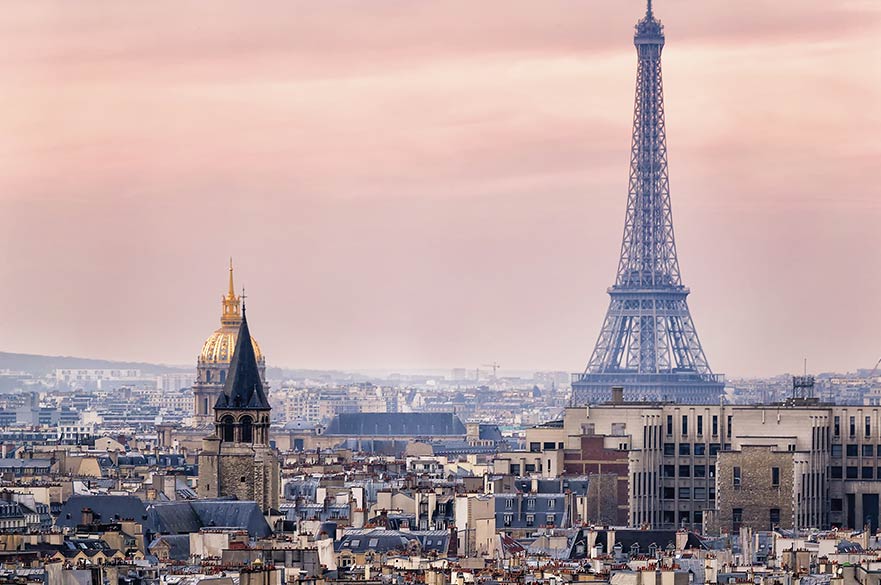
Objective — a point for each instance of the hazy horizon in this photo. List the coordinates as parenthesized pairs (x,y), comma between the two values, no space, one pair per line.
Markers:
(433,185)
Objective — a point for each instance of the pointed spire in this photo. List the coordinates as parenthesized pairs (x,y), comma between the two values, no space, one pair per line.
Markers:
(230,303)
(648,11)
(244,387)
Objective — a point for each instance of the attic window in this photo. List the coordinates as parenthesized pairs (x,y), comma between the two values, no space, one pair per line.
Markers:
(356,542)
(372,543)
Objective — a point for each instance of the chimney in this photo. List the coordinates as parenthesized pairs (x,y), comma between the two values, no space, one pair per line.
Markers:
(88,516)
(617,394)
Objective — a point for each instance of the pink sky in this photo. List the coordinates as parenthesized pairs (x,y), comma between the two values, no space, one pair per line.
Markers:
(432,184)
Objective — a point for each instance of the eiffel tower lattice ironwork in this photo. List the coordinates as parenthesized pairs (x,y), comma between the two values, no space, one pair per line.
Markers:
(648,343)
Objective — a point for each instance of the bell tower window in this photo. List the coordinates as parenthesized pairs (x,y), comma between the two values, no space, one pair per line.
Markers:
(247,430)
(229,429)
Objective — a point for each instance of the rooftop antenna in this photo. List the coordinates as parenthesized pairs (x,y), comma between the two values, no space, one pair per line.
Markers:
(243,301)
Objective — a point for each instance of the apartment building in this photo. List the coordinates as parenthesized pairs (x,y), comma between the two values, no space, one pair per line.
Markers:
(699,466)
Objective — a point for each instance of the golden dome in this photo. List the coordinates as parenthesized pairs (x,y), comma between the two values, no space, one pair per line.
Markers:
(218,348)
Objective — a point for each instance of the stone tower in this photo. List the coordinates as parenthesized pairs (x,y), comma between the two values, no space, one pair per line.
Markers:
(237,459)
(216,355)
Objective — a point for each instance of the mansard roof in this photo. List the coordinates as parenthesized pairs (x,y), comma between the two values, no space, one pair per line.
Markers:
(409,424)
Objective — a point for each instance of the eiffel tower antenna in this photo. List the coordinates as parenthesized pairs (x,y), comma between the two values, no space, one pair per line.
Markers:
(648,342)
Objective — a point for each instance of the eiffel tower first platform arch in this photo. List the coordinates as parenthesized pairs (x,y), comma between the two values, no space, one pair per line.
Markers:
(648,343)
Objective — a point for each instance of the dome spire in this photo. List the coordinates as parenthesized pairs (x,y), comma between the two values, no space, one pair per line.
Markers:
(231,303)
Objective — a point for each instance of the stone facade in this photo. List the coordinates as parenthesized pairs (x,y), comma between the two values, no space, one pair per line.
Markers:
(754,489)
(248,472)
(673,453)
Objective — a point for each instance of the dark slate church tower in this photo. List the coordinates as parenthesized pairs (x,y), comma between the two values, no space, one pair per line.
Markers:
(237,459)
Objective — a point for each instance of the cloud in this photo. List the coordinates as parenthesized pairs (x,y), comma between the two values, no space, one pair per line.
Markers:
(446,179)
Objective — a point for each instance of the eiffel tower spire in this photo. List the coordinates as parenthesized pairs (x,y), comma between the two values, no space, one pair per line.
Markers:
(648,343)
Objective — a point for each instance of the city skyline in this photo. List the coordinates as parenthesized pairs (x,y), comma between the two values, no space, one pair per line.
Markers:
(384,232)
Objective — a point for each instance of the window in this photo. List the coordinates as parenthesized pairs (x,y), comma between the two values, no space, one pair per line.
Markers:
(698,517)
(737,477)
(247,430)
(714,449)
(736,518)
(853,426)
(669,493)
(868,429)
(684,425)
(669,449)
(868,450)
(530,519)
(774,518)
(715,425)
(837,505)
(669,471)
(549,445)
(835,472)
(700,470)
(836,426)
(508,518)
(535,447)
(373,543)
(836,450)
(775,476)
(551,503)
(684,449)
(700,425)
(712,471)
(712,492)
(509,503)
(669,424)
(685,471)
(867,472)
(550,519)
(700,493)
(530,503)
(853,450)
(728,430)
(684,493)
(229,429)
(852,472)
(700,449)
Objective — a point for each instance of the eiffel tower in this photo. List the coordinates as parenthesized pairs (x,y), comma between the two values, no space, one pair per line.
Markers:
(648,343)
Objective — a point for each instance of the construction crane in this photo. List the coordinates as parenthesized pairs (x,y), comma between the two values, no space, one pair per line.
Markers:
(495,367)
